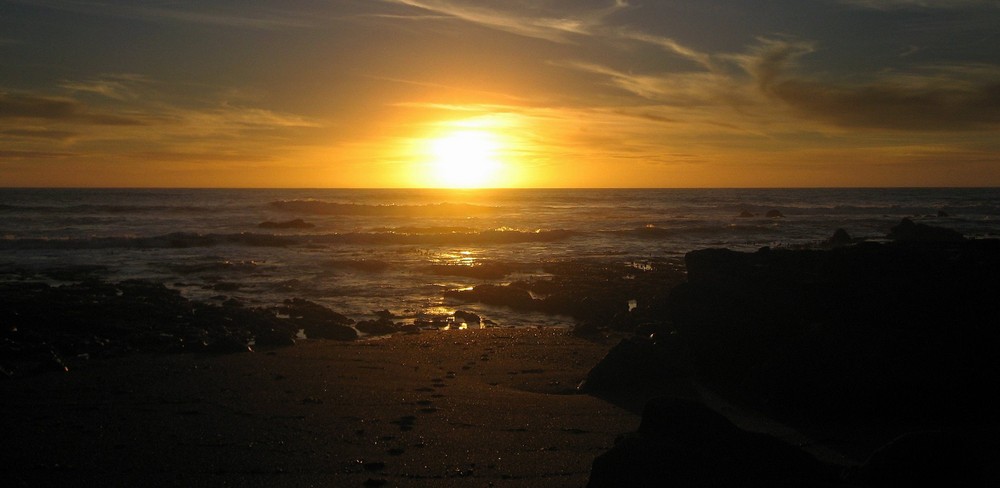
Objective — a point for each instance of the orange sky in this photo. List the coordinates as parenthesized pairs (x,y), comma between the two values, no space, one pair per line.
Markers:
(588,93)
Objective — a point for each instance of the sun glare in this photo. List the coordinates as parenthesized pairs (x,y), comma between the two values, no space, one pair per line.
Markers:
(465,159)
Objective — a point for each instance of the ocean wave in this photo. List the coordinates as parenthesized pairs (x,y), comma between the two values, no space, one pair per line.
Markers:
(321,207)
(174,240)
(425,230)
(188,240)
(103,209)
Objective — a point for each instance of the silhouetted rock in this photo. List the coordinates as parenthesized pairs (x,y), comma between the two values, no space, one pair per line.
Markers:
(636,362)
(97,319)
(510,296)
(929,458)
(774,214)
(745,214)
(382,326)
(469,318)
(897,335)
(682,444)
(317,321)
(908,231)
(839,238)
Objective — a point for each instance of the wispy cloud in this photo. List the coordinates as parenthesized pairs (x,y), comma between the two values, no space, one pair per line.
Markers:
(59,109)
(924,4)
(244,17)
(520,21)
(929,98)
(115,86)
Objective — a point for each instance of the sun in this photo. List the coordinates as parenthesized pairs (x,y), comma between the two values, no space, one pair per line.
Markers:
(465,159)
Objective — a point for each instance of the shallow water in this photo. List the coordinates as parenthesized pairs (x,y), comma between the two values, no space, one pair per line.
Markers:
(364,250)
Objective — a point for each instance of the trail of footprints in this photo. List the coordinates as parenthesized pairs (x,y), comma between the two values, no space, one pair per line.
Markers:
(408,423)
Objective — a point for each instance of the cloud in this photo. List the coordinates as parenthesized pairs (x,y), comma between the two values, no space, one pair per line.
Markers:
(925,4)
(540,25)
(947,98)
(34,133)
(246,17)
(23,155)
(114,86)
(27,106)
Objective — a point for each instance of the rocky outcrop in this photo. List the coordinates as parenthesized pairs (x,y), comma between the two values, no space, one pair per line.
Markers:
(684,444)
(893,336)
(47,328)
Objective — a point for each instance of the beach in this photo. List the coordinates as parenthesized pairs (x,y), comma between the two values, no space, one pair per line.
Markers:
(485,407)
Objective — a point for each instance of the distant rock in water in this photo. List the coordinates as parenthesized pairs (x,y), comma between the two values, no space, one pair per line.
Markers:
(908,231)
(839,238)
(774,214)
(745,214)
(288,224)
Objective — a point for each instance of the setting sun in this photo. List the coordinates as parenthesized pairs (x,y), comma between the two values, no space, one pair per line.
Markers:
(465,159)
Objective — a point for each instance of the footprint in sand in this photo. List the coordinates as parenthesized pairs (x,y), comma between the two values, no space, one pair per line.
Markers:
(405,422)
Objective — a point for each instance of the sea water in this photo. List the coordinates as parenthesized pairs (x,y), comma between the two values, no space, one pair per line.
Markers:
(391,249)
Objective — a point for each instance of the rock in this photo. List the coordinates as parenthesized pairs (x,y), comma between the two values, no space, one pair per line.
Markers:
(317,321)
(681,443)
(745,214)
(382,326)
(942,214)
(635,362)
(928,458)
(774,214)
(510,296)
(908,231)
(839,238)
(469,318)
(872,330)
(288,224)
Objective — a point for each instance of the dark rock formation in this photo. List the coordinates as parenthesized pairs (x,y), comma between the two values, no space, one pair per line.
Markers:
(472,319)
(930,458)
(383,325)
(47,328)
(684,444)
(317,321)
(745,214)
(908,231)
(510,296)
(887,337)
(634,363)
(839,238)
(774,214)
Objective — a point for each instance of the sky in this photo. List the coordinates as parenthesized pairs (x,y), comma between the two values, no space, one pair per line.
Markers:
(499,93)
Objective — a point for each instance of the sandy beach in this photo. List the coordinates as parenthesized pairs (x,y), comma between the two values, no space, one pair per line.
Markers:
(491,407)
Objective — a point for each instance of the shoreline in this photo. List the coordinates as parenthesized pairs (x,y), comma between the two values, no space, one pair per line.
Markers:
(432,409)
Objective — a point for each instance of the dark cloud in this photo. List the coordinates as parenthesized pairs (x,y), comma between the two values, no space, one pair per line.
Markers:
(33,155)
(893,106)
(54,109)
(60,135)
(35,107)
(943,99)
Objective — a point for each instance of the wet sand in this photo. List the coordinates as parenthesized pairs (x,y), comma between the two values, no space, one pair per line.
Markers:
(493,407)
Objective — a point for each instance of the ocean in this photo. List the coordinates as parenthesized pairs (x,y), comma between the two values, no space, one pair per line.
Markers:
(358,251)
